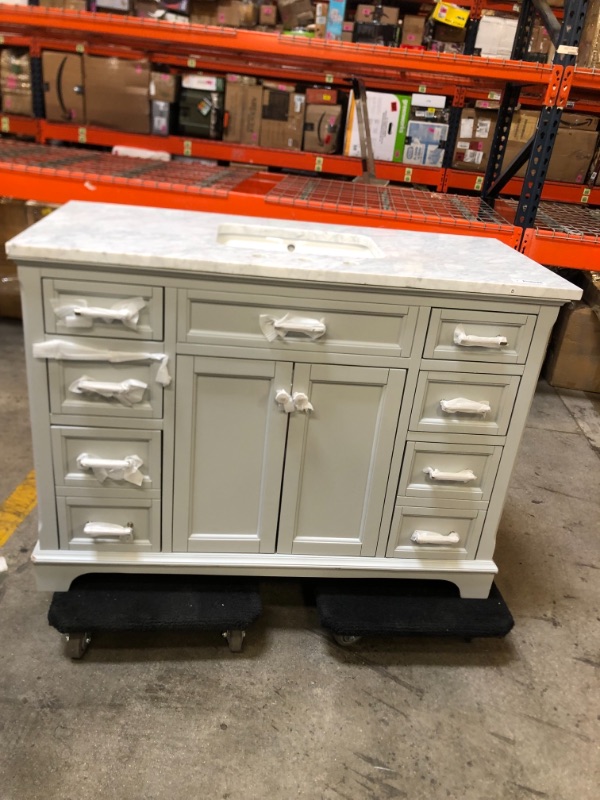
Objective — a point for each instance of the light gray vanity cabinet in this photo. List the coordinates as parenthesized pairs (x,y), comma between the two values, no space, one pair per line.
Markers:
(222,395)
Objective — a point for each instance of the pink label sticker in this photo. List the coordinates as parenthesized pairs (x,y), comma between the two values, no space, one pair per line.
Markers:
(138,69)
(11,82)
(221,17)
(7,102)
(164,76)
(268,11)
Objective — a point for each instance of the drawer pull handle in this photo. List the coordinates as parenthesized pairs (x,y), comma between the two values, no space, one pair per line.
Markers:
(464,476)
(128,392)
(108,530)
(60,350)
(293,402)
(78,314)
(460,405)
(431,537)
(464,339)
(123,469)
(279,328)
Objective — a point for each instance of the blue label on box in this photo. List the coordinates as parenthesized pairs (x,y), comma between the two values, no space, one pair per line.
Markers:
(335,19)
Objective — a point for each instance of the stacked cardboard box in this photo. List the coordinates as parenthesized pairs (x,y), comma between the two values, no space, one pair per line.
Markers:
(573,360)
(388,122)
(243,109)
(201,106)
(64,97)
(322,122)
(117,93)
(282,118)
(589,45)
(475,136)
(15,82)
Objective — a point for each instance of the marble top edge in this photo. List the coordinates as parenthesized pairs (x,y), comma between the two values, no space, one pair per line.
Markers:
(200,243)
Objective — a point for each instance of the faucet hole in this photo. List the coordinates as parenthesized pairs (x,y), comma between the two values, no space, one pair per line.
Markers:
(291,247)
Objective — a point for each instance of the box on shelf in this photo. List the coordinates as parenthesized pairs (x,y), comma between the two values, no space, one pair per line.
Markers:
(67,5)
(495,36)
(573,360)
(335,19)
(203,12)
(229,13)
(282,116)
(161,118)
(540,43)
(321,10)
(323,97)
(63,87)
(375,33)
(117,93)
(579,122)
(427,131)
(413,30)
(159,9)
(446,33)
(112,6)
(388,121)
(474,141)
(347,31)
(243,108)
(15,82)
(450,14)
(267,15)
(591,291)
(589,44)
(163,86)
(387,15)
(295,13)
(322,125)
(201,106)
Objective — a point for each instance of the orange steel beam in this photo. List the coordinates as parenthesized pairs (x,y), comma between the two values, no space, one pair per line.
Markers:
(561,249)
(20,126)
(553,190)
(323,55)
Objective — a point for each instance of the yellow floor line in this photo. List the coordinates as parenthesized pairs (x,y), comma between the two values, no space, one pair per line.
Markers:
(17,507)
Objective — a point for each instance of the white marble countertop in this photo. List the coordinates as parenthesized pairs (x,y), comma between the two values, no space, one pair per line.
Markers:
(218,244)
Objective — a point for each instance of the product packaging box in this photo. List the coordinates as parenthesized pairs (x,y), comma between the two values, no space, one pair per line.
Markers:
(117,93)
(573,360)
(450,14)
(267,15)
(15,82)
(295,13)
(427,131)
(589,44)
(64,97)
(201,106)
(243,109)
(161,118)
(114,6)
(388,121)
(323,97)
(203,12)
(322,127)
(368,13)
(321,11)
(495,36)
(413,30)
(376,33)
(163,86)
(347,31)
(446,33)
(158,9)
(540,44)
(282,124)
(335,19)
(474,142)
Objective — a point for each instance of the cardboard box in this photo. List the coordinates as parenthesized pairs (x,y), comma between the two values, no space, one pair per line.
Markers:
(295,13)
(573,360)
(446,33)
(450,14)
(163,86)
(540,40)
(368,13)
(388,122)
(282,124)
(267,15)
(229,13)
(117,93)
(474,142)
(322,127)
(591,291)
(161,118)
(201,113)
(63,87)
(243,109)
(580,122)
(335,19)
(413,30)
(203,12)
(347,31)
(589,44)
(323,97)
(321,11)
(112,6)
(495,36)
(375,33)
(15,82)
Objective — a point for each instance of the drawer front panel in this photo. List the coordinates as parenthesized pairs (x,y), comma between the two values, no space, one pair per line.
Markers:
(115,311)
(78,388)
(479,336)
(463,402)
(434,533)
(448,471)
(113,524)
(105,458)
(282,324)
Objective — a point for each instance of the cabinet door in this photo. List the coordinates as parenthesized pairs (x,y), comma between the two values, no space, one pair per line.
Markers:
(230,442)
(338,458)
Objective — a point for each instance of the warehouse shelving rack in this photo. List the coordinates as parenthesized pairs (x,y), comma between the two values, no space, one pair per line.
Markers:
(29,171)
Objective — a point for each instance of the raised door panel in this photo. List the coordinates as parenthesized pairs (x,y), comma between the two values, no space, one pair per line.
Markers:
(229,443)
(338,458)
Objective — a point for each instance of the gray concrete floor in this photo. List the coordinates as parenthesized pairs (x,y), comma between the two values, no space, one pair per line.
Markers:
(179,717)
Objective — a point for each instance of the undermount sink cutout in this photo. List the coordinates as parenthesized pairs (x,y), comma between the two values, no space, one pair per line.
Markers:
(297,242)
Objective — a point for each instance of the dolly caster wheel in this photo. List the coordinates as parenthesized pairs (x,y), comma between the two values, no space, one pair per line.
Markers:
(235,640)
(76,644)
(345,641)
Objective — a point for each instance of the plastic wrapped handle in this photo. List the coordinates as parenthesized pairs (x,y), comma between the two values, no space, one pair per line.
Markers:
(460,405)
(464,476)
(118,469)
(279,328)
(78,314)
(302,403)
(464,339)
(432,537)
(108,530)
(128,392)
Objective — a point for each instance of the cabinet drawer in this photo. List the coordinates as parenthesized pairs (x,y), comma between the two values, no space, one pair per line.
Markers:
(448,471)
(438,533)
(115,524)
(275,323)
(94,457)
(479,336)
(111,310)
(105,389)
(463,402)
